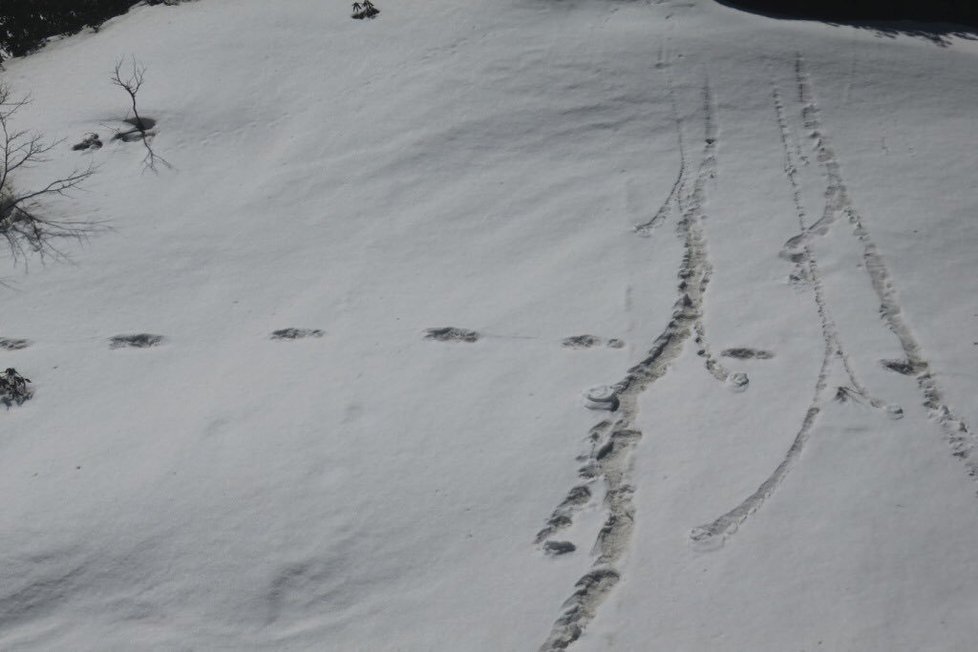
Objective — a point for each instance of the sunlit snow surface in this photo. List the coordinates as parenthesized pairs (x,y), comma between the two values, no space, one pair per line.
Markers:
(389,261)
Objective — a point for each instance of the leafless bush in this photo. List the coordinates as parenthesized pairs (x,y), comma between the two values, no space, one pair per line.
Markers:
(131,81)
(131,84)
(24,221)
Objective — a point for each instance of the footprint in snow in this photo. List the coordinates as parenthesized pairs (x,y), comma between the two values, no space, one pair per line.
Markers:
(581,341)
(135,340)
(451,334)
(904,367)
(589,341)
(557,548)
(744,353)
(295,333)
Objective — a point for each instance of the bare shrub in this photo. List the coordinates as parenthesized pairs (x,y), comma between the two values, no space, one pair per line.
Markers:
(25,223)
(130,81)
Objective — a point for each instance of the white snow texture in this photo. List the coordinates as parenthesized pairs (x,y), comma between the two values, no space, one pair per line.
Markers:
(322,383)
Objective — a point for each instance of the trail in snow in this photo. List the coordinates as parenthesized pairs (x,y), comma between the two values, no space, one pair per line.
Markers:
(254,404)
(962,442)
(799,251)
(660,215)
(613,441)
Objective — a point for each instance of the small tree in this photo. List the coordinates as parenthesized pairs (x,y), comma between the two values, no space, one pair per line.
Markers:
(23,219)
(131,82)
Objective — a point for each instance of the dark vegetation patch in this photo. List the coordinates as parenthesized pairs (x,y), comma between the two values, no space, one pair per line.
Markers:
(364,9)
(25,24)
(13,343)
(138,129)
(934,20)
(14,388)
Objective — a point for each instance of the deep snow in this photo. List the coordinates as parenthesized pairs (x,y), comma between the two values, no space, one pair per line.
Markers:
(484,167)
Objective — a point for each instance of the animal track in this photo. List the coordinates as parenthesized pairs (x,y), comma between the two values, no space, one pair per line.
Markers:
(798,250)
(714,534)
(645,229)
(903,367)
(602,397)
(590,341)
(556,548)
(561,517)
(137,341)
(713,365)
(13,344)
(581,341)
(580,607)
(451,334)
(743,353)
(612,442)
(738,381)
(295,333)
(960,440)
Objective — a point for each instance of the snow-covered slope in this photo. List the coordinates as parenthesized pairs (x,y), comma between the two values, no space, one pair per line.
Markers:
(676,176)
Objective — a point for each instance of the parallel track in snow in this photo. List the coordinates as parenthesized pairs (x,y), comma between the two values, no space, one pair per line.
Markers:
(834,354)
(960,439)
(613,441)
(798,249)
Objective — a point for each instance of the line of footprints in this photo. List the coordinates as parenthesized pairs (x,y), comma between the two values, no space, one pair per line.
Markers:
(598,398)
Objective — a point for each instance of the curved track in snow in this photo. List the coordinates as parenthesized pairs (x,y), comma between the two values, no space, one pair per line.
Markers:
(798,250)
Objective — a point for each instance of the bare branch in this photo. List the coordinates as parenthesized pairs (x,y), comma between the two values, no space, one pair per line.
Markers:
(152,158)
(58,186)
(131,81)
(10,106)
(131,84)
(24,222)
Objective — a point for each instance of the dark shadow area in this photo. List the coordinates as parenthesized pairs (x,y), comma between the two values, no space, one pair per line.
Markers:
(937,21)
(25,24)
(139,130)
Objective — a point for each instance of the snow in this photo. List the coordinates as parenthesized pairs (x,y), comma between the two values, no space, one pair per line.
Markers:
(483,167)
